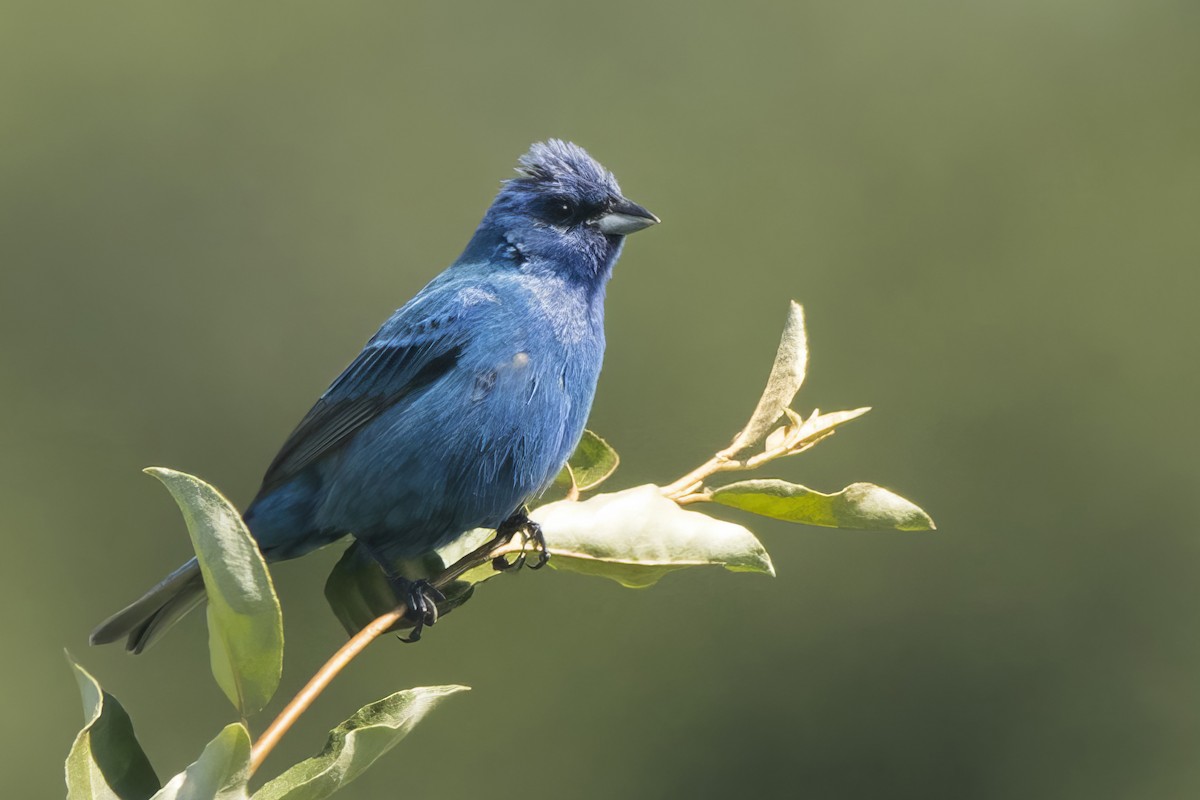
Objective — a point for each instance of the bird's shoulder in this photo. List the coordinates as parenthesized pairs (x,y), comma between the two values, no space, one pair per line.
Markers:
(444,309)
(470,303)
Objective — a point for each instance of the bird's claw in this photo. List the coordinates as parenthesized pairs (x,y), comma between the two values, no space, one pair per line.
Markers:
(422,598)
(534,534)
(532,539)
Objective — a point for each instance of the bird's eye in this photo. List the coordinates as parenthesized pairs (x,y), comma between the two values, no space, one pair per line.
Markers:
(561,210)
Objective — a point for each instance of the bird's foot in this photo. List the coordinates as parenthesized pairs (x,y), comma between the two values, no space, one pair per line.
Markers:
(422,598)
(532,539)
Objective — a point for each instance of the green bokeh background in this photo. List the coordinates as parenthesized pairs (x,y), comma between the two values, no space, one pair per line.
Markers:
(988,210)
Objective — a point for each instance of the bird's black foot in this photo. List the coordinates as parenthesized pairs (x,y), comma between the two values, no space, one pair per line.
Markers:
(422,598)
(532,539)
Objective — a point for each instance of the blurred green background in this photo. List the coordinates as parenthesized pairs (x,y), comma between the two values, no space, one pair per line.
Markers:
(988,210)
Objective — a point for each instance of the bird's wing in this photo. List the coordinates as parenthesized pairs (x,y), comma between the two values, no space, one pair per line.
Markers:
(414,349)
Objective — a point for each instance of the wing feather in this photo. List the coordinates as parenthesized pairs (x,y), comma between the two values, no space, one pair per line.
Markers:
(410,353)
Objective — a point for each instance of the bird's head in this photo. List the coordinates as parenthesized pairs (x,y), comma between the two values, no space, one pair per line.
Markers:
(564,212)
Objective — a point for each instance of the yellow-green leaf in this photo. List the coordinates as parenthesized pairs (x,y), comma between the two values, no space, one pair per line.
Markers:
(221,772)
(245,625)
(633,537)
(786,378)
(592,463)
(106,761)
(356,744)
(636,536)
(864,506)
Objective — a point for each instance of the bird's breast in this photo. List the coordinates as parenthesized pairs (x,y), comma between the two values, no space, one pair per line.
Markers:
(533,401)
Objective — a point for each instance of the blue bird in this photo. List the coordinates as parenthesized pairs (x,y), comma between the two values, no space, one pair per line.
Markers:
(462,408)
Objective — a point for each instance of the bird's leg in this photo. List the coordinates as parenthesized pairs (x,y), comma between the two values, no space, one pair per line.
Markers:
(420,595)
(531,539)
(534,532)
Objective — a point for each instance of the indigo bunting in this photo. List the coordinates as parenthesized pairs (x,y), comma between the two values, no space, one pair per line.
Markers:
(463,407)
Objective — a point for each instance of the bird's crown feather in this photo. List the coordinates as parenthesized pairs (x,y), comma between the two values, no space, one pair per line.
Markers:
(556,161)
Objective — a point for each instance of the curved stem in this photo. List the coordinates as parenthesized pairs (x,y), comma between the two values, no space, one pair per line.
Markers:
(691,482)
(349,651)
(300,703)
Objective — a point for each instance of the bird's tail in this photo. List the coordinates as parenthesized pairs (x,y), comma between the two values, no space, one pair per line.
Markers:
(148,617)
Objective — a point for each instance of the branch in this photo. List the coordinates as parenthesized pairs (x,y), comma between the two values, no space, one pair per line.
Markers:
(795,437)
(485,554)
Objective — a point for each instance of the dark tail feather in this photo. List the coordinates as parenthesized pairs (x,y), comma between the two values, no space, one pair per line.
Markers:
(147,618)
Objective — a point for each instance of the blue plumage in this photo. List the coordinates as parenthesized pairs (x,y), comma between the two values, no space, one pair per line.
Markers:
(468,400)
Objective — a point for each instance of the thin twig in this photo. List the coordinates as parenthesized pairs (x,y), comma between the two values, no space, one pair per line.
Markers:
(721,462)
(300,703)
(482,555)
(690,488)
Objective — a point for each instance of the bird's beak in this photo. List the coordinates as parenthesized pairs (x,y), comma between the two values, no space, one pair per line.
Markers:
(624,217)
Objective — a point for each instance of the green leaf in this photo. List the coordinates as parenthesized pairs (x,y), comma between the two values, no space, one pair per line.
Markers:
(592,463)
(636,536)
(860,505)
(356,744)
(786,378)
(221,772)
(358,592)
(633,537)
(245,625)
(106,762)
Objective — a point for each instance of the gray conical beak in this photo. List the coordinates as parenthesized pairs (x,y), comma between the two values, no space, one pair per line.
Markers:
(624,217)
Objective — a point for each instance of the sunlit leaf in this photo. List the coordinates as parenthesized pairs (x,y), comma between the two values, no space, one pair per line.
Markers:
(592,463)
(787,375)
(636,536)
(106,761)
(778,437)
(221,772)
(461,547)
(356,744)
(864,506)
(245,625)
(819,425)
(633,537)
